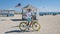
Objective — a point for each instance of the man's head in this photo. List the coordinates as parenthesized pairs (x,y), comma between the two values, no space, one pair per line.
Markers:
(29,10)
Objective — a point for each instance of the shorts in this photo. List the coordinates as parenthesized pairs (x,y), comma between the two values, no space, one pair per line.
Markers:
(29,19)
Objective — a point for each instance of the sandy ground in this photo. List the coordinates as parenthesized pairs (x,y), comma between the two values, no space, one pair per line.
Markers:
(49,25)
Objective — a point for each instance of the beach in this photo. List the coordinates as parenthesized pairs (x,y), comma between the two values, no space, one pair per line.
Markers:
(49,25)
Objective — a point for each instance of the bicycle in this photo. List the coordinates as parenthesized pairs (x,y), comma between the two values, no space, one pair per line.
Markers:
(35,25)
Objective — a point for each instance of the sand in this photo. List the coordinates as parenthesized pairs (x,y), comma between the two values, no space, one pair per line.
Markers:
(49,25)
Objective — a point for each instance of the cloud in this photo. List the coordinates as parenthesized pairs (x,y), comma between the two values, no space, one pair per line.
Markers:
(10,9)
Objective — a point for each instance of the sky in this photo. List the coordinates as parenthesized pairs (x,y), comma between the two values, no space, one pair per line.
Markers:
(41,5)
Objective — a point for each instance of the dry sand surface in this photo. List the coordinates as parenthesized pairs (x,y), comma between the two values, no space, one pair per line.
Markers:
(49,25)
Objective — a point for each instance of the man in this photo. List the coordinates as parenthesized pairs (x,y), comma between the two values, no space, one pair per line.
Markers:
(29,16)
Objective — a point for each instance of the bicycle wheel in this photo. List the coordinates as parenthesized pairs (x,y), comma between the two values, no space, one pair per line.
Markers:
(23,26)
(36,26)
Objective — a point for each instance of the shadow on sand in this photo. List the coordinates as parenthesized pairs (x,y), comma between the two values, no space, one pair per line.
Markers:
(18,19)
(17,31)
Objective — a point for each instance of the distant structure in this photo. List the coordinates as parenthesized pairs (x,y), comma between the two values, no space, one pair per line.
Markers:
(24,10)
(48,13)
(6,13)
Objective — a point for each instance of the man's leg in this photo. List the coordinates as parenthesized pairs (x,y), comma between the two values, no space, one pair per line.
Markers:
(28,21)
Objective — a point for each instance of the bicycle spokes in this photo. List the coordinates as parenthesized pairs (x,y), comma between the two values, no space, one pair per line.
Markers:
(23,26)
(36,26)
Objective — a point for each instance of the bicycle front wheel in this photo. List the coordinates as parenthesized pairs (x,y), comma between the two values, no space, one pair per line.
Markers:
(36,26)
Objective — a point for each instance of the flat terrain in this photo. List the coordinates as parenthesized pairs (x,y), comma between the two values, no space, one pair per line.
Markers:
(49,25)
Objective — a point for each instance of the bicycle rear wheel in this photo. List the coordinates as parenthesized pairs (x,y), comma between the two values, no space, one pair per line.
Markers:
(23,26)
